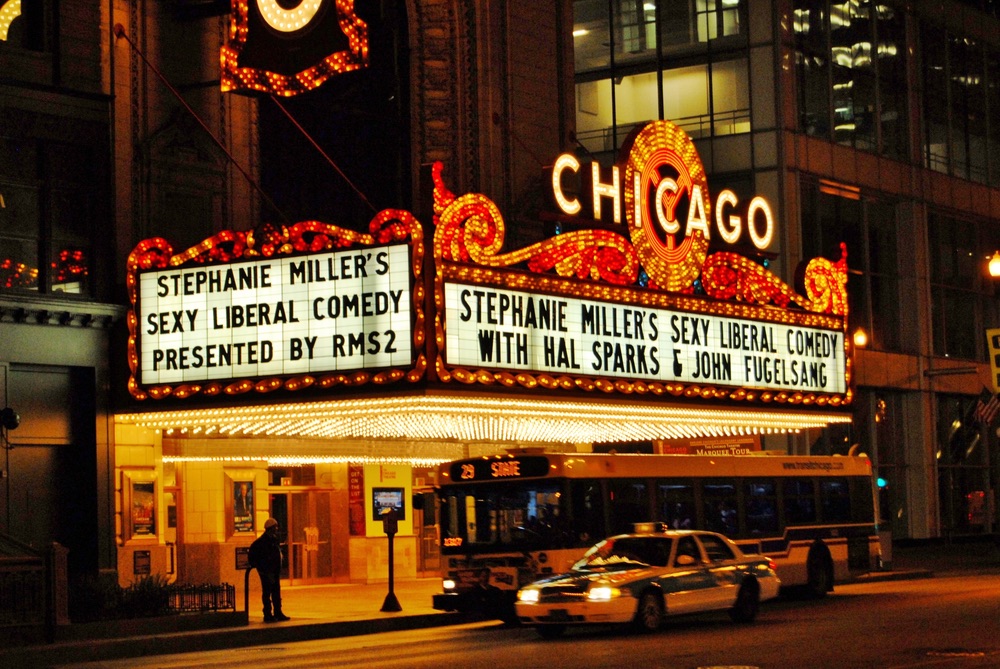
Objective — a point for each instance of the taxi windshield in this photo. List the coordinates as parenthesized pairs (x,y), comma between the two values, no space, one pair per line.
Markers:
(626,553)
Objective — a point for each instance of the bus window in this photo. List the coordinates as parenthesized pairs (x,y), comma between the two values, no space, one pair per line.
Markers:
(627,503)
(719,504)
(675,501)
(478,520)
(761,507)
(862,502)
(449,516)
(587,512)
(716,549)
(836,497)
(800,501)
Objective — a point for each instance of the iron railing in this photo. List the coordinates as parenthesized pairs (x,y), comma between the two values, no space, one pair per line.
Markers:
(202,598)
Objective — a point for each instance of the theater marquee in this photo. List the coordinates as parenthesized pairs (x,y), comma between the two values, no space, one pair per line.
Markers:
(647,309)
(258,311)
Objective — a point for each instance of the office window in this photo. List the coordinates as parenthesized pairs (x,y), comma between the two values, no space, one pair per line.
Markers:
(832,214)
(878,414)
(962,466)
(962,293)
(890,36)
(49,195)
(960,100)
(968,129)
(993,104)
(851,74)
(620,51)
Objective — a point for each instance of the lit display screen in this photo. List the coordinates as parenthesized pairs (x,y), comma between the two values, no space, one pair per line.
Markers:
(290,315)
(490,327)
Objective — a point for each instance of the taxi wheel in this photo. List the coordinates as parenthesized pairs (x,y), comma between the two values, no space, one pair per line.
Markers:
(550,631)
(649,615)
(747,603)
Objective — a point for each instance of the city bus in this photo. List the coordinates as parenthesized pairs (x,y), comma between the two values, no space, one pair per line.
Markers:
(507,520)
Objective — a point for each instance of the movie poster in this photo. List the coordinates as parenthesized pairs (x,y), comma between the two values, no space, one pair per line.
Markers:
(243,506)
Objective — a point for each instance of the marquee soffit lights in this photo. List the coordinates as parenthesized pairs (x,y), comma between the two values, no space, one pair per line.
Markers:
(494,419)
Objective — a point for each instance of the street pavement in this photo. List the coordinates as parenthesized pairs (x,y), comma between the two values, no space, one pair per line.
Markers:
(338,610)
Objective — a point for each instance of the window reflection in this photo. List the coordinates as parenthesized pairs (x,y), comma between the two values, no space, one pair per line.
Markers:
(851,75)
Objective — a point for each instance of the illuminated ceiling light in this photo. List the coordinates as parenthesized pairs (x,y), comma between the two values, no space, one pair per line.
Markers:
(580,32)
(995,265)
(840,189)
(477,419)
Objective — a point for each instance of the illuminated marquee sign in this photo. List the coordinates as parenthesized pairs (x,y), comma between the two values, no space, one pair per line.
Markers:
(526,466)
(517,330)
(285,48)
(653,312)
(258,311)
(303,314)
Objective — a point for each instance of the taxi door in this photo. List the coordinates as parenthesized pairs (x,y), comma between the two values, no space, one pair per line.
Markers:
(721,567)
(690,586)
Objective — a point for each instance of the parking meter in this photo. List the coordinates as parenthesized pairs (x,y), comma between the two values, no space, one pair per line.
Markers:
(390,525)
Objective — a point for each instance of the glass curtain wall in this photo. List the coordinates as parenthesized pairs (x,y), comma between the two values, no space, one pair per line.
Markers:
(639,61)
(851,74)
(881,430)
(964,297)
(867,225)
(963,467)
(961,103)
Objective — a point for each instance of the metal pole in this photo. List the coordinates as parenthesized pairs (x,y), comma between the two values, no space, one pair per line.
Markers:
(391,603)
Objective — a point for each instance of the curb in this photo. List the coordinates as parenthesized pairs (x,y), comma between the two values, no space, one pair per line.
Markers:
(94,650)
(899,575)
(216,639)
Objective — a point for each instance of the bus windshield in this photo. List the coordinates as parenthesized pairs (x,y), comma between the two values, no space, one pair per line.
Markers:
(517,516)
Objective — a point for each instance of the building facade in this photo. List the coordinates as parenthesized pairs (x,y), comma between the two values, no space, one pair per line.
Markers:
(872,125)
(868,125)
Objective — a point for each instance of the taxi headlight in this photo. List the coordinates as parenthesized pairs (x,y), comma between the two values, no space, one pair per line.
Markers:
(448,584)
(528,596)
(603,593)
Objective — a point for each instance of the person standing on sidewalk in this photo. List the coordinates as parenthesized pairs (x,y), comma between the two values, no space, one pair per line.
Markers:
(265,557)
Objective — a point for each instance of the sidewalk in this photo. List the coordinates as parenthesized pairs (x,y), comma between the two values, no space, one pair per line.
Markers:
(317,612)
(324,611)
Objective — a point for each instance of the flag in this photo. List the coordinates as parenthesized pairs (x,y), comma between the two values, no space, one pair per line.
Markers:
(987,407)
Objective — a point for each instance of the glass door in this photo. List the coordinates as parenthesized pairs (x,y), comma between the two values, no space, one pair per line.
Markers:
(304,518)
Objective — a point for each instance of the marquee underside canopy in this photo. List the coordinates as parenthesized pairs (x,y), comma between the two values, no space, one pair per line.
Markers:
(500,420)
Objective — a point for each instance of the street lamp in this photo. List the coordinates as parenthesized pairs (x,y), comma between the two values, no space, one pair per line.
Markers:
(995,265)
(860,337)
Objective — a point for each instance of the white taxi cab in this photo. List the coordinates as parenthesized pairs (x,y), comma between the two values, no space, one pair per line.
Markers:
(643,577)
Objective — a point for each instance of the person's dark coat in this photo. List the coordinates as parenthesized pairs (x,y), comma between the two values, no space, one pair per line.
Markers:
(265,553)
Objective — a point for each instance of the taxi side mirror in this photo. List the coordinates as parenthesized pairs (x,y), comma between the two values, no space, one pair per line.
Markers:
(685,561)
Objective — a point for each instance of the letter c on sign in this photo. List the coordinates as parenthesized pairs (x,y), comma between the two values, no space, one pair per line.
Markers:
(288,20)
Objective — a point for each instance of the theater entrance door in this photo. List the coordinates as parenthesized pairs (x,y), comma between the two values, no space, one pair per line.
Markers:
(304,519)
